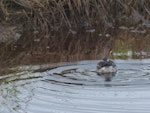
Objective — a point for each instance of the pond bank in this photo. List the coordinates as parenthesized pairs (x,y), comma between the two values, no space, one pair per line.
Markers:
(64,46)
(35,32)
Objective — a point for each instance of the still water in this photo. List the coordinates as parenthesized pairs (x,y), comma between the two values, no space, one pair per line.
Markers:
(78,89)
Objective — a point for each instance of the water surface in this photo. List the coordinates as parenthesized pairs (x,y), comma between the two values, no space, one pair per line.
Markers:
(78,89)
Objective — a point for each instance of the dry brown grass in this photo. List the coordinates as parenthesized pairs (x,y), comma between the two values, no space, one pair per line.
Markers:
(52,14)
(57,28)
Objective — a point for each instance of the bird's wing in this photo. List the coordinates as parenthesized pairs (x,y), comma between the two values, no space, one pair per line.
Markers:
(105,63)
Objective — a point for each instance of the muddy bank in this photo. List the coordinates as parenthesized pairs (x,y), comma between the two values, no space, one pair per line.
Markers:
(22,46)
(58,46)
(35,32)
(64,46)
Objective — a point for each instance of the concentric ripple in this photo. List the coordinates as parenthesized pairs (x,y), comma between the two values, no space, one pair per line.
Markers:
(78,89)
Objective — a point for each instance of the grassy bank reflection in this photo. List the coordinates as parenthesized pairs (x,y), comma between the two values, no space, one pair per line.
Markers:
(132,46)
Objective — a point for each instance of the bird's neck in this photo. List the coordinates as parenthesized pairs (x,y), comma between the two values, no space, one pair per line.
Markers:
(106,55)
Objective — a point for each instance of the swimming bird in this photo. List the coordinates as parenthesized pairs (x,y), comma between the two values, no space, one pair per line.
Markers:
(106,66)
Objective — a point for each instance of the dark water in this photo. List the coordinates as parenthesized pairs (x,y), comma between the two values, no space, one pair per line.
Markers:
(78,89)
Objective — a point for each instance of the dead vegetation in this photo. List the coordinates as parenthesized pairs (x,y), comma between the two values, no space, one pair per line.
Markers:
(66,29)
(49,15)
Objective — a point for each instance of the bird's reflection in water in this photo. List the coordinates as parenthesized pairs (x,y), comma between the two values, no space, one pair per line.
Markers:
(108,76)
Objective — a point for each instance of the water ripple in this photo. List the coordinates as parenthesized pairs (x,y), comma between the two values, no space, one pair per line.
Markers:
(78,89)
